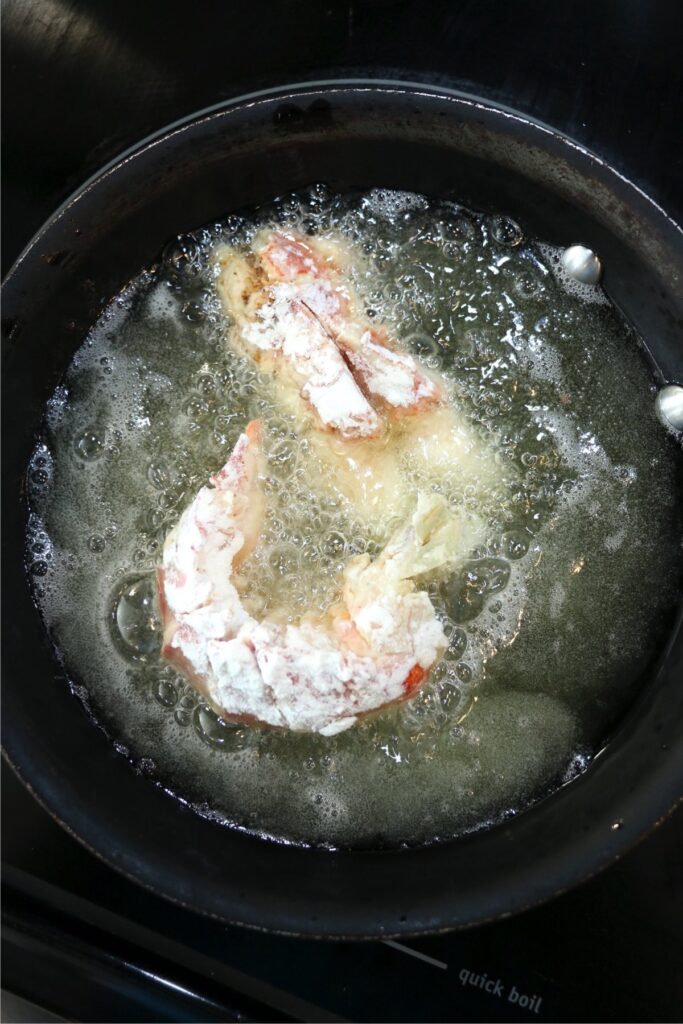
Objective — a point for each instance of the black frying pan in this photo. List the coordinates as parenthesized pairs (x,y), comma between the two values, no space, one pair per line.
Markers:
(348,134)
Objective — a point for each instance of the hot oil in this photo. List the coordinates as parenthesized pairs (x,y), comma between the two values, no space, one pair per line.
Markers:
(551,621)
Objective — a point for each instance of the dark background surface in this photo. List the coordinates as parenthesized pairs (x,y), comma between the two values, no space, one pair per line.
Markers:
(82,81)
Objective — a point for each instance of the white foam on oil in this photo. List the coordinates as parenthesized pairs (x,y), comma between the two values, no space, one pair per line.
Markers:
(616,540)
(543,360)
(162,304)
(589,293)
(392,204)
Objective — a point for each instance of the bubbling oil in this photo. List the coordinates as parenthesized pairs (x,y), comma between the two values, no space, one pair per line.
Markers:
(551,622)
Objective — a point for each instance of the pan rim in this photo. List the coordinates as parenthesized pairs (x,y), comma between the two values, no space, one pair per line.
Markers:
(293,90)
(297,91)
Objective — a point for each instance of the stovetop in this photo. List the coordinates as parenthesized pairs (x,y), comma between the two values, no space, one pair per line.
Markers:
(85,942)
(83,80)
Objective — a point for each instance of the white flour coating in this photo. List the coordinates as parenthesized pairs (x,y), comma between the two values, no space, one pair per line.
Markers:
(288,299)
(284,327)
(318,268)
(390,375)
(321,674)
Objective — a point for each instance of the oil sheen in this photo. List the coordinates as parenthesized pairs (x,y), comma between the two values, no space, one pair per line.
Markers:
(552,622)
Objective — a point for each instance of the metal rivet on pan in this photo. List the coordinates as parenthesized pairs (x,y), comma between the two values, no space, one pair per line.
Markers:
(669,406)
(582,264)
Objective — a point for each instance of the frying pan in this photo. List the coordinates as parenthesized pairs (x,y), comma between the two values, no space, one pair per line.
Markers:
(350,133)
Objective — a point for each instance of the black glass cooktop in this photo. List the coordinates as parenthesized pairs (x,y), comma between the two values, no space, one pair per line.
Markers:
(83,80)
(87,943)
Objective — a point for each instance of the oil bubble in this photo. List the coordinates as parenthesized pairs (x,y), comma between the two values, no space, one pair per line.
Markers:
(461,226)
(193,312)
(334,544)
(181,255)
(466,593)
(210,728)
(198,408)
(514,544)
(493,574)
(505,231)
(186,706)
(159,474)
(135,619)
(450,697)
(527,284)
(165,693)
(89,445)
(464,672)
(457,639)
(40,477)
(424,345)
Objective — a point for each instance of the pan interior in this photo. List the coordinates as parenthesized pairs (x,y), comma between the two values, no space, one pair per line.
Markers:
(349,134)
(553,620)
